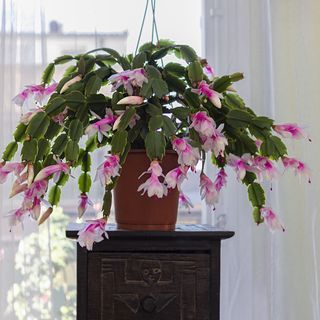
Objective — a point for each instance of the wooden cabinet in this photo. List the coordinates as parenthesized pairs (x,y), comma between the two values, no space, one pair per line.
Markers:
(151,275)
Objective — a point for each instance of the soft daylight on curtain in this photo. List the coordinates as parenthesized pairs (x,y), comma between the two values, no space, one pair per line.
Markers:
(276,45)
(264,275)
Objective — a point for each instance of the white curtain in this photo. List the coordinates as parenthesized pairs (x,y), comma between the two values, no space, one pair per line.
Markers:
(36,274)
(276,44)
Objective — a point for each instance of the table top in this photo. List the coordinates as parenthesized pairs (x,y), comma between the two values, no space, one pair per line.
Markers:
(181,231)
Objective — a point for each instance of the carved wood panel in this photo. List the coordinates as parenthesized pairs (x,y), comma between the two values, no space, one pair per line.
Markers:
(153,286)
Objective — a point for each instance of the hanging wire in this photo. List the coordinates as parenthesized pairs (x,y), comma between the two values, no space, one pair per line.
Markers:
(142,25)
(154,32)
(154,22)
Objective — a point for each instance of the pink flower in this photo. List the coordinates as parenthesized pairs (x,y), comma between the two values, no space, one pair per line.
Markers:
(120,114)
(108,169)
(175,177)
(16,217)
(216,143)
(258,143)
(93,232)
(203,124)
(36,190)
(290,130)
(300,168)
(13,167)
(21,99)
(131,100)
(187,155)
(26,118)
(266,167)
(209,72)
(205,90)
(152,185)
(19,186)
(34,95)
(129,79)
(59,118)
(241,165)
(83,204)
(102,126)
(185,201)
(221,180)
(35,209)
(208,190)
(55,170)
(154,168)
(271,219)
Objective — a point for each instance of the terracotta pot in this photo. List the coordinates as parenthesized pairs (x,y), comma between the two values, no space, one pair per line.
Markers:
(136,212)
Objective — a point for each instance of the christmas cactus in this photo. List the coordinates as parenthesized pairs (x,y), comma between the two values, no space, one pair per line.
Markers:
(154,105)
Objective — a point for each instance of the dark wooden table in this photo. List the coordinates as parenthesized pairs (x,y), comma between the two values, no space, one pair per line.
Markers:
(152,275)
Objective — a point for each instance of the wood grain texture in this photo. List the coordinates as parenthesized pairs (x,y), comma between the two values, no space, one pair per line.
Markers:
(151,275)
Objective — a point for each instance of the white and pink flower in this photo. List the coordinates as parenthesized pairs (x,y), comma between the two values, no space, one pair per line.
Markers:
(221,180)
(14,167)
(154,168)
(34,95)
(258,143)
(26,118)
(290,130)
(35,210)
(209,71)
(120,114)
(175,177)
(271,219)
(208,190)
(129,79)
(241,165)
(102,126)
(108,169)
(92,233)
(153,186)
(16,217)
(187,155)
(205,90)
(265,167)
(55,170)
(216,143)
(185,201)
(203,124)
(36,190)
(131,100)
(59,118)
(19,185)
(299,167)
(84,202)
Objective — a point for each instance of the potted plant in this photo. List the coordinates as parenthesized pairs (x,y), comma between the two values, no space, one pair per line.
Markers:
(160,119)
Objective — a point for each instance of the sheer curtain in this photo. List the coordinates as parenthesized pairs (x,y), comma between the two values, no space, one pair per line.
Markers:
(36,276)
(276,44)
